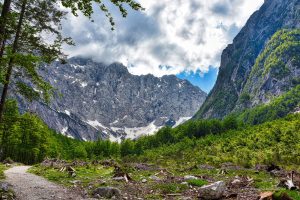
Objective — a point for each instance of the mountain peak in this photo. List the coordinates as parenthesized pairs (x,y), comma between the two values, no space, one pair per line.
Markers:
(239,57)
(106,101)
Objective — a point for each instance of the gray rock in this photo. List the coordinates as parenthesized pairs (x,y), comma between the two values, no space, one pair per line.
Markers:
(155,178)
(118,178)
(144,180)
(287,183)
(239,58)
(212,191)
(190,177)
(107,192)
(4,186)
(75,182)
(95,101)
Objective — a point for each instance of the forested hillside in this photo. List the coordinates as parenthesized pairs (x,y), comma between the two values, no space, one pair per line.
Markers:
(25,138)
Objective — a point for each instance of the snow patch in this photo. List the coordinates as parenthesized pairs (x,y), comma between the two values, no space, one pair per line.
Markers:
(116,129)
(116,121)
(64,130)
(181,121)
(115,139)
(67,112)
(77,66)
(96,124)
(83,84)
(132,133)
(36,90)
(70,136)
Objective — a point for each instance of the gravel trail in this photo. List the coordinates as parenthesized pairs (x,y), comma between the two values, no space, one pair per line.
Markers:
(28,186)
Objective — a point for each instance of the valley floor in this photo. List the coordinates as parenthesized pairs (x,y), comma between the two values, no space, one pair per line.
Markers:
(151,181)
(29,186)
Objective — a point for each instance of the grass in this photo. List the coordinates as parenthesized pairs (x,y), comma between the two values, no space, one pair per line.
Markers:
(92,177)
(84,175)
(283,193)
(168,188)
(197,182)
(2,169)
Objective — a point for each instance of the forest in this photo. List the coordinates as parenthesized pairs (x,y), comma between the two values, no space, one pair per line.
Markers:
(26,138)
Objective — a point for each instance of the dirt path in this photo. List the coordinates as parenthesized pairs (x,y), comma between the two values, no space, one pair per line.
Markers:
(31,187)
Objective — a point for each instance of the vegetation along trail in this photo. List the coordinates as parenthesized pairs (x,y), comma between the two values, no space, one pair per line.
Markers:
(29,186)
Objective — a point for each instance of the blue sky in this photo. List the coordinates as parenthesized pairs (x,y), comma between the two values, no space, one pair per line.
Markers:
(188,36)
(204,81)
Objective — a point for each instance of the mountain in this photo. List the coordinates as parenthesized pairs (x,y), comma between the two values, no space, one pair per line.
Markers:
(94,100)
(262,62)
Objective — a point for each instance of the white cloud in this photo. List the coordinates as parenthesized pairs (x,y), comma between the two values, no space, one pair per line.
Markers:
(184,34)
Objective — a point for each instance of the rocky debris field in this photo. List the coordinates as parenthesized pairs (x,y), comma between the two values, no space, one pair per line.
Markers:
(111,180)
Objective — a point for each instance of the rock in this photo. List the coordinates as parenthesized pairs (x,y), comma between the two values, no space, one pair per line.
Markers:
(230,166)
(155,178)
(278,173)
(190,177)
(4,186)
(121,178)
(259,167)
(107,192)
(82,80)
(248,195)
(5,192)
(266,196)
(238,75)
(240,182)
(212,191)
(144,180)
(287,183)
(206,167)
(145,167)
(75,182)
(185,183)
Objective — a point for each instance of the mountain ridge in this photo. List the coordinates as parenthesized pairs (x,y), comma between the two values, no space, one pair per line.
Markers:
(106,101)
(239,57)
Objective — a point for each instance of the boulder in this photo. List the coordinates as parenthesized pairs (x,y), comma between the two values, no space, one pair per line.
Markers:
(287,183)
(107,192)
(212,191)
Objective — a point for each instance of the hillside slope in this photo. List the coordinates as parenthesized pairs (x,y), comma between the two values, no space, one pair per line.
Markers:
(239,58)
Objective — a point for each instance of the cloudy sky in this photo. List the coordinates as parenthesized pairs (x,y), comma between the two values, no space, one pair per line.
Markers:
(182,37)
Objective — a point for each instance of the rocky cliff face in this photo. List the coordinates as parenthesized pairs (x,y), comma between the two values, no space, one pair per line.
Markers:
(94,101)
(238,60)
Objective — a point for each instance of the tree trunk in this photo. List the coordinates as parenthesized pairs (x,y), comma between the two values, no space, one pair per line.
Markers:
(3,19)
(11,61)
